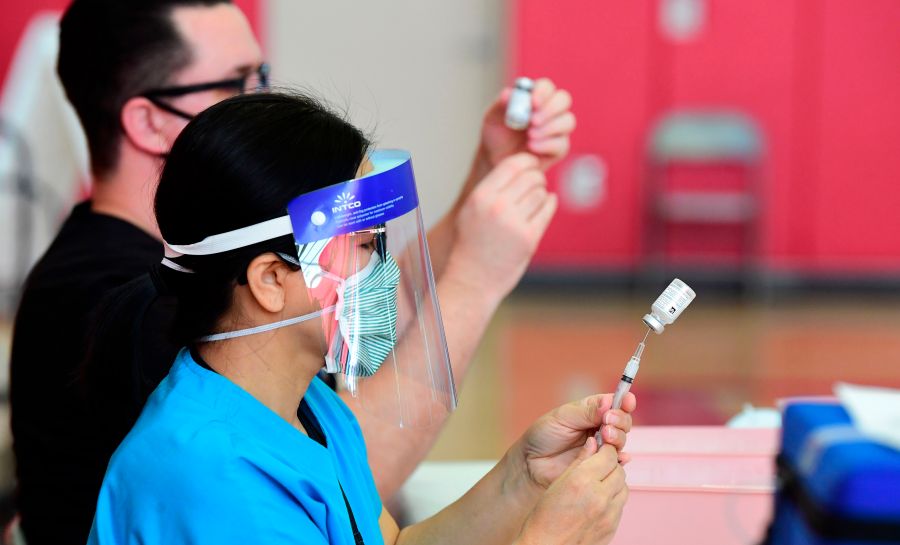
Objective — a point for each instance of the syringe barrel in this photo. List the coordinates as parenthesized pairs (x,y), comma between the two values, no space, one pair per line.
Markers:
(621,390)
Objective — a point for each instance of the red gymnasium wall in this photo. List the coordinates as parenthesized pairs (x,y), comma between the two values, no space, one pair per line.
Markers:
(819,78)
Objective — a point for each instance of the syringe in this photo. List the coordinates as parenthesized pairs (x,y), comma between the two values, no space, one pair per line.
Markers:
(631,369)
(667,307)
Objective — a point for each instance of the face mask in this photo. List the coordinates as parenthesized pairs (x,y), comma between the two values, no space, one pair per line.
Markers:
(367,318)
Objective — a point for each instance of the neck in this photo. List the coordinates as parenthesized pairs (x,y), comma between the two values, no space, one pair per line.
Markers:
(268,367)
(128,191)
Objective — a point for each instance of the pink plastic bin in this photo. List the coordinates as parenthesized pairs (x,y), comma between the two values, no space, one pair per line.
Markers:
(698,485)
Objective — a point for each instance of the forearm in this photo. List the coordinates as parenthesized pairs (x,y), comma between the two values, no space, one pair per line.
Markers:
(492,512)
(442,236)
(468,303)
(395,452)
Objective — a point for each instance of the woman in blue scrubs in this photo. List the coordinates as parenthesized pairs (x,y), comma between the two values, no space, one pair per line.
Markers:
(243,442)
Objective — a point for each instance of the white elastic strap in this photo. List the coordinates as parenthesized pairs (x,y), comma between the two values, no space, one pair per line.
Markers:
(175,266)
(166,262)
(232,240)
(264,328)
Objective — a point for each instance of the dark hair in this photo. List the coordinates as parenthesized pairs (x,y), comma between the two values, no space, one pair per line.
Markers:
(237,164)
(112,50)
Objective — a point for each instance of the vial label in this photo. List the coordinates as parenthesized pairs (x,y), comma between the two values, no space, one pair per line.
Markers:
(676,297)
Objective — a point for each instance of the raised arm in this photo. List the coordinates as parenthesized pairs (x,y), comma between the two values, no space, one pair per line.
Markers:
(500,227)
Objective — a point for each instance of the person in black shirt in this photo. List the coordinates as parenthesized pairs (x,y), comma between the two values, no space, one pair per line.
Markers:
(136,72)
(55,460)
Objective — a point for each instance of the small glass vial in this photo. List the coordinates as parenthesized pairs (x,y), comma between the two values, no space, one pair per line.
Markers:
(518,109)
(669,306)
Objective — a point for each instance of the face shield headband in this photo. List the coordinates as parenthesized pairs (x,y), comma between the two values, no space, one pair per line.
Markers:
(360,205)
(324,213)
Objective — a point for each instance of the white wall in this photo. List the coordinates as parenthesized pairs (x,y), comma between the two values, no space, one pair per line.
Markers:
(418,73)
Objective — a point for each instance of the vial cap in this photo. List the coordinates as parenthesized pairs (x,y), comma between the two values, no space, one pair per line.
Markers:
(525,84)
(654,324)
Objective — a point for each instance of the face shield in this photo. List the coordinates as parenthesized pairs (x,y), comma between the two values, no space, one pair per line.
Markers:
(362,251)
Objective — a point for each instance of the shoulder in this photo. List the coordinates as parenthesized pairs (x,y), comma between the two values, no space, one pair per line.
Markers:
(200,489)
(198,479)
(162,445)
(191,468)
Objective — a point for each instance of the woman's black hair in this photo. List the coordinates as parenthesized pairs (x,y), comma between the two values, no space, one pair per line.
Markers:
(236,164)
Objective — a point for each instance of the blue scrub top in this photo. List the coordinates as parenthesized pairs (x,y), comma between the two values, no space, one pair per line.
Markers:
(208,463)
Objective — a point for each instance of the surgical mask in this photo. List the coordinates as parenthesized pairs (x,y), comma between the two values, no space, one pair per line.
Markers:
(366,312)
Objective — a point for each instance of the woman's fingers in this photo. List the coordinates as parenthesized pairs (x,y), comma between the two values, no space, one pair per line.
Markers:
(561,125)
(556,146)
(618,418)
(559,102)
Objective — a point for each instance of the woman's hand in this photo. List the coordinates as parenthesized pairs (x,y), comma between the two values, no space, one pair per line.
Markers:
(547,135)
(552,443)
(554,485)
(583,505)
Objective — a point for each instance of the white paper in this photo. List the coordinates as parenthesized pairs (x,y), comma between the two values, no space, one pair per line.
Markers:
(875,411)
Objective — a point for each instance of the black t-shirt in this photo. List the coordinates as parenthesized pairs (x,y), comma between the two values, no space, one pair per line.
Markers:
(60,451)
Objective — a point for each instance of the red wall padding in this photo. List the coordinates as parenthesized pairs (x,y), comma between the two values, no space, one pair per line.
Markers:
(820,78)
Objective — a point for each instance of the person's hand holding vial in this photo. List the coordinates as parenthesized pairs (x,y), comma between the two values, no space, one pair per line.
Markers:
(545,133)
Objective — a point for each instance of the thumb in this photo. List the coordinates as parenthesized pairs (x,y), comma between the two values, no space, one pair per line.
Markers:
(584,454)
(498,107)
(507,170)
(589,449)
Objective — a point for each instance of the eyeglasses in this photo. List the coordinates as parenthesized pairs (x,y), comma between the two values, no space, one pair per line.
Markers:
(255,81)
(379,233)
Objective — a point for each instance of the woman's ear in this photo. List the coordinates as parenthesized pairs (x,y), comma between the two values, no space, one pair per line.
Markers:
(146,126)
(267,275)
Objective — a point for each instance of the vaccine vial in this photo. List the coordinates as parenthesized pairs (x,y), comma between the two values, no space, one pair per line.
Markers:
(669,306)
(518,109)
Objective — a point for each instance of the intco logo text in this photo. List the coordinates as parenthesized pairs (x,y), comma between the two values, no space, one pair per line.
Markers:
(345,201)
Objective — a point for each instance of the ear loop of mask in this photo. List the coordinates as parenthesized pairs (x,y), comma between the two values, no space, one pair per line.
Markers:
(266,327)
